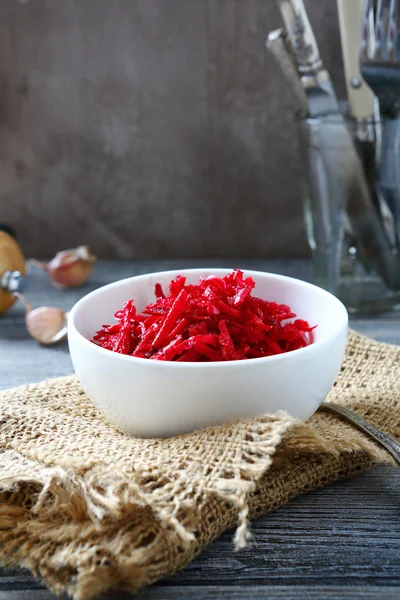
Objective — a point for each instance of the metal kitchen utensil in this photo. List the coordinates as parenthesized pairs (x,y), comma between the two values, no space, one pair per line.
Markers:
(359,290)
(279,47)
(383,439)
(363,107)
(362,103)
(379,195)
(372,241)
(378,38)
(327,232)
(380,67)
(389,167)
(331,230)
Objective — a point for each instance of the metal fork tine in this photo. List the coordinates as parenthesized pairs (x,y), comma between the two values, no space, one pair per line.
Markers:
(380,33)
(367,38)
(392,33)
(372,38)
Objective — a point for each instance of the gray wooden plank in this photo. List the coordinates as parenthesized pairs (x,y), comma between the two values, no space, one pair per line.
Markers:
(207,592)
(383,329)
(345,534)
(268,592)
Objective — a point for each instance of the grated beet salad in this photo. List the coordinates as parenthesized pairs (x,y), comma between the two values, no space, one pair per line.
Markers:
(216,320)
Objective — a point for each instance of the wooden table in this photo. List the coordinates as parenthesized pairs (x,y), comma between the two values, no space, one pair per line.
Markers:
(340,542)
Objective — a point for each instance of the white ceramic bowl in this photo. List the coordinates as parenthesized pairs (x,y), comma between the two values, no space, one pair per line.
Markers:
(154,398)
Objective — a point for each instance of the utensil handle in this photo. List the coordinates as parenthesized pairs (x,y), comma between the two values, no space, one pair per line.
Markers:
(301,35)
(389,443)
(279,47)
(360,97)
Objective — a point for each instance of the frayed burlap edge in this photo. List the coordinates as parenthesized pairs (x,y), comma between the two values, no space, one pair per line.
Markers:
(86,525)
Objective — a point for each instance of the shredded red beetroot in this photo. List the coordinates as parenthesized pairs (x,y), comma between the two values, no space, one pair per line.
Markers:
(216,320)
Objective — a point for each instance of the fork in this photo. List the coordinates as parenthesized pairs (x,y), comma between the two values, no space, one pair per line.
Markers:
(345,168)
(379,61)
(383,439)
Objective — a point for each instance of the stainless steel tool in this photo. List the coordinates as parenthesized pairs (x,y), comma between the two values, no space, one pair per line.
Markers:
(380,67)
(328,233)
(340,152)
(379,62)
(363,108)
(319,193)
(279,47)
(383,439)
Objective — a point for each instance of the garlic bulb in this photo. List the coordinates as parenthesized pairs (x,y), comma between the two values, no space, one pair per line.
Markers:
(69,268)
(47,324)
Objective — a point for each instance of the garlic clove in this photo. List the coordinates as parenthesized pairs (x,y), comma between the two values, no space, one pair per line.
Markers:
(75,274)
(84,254)
(69,268)
(47,324)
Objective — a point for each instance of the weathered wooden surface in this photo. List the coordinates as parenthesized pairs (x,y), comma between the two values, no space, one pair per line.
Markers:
(237,593)
(150,128)
(337,543)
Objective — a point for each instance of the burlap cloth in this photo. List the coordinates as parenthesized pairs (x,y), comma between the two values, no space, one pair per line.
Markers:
(87,508)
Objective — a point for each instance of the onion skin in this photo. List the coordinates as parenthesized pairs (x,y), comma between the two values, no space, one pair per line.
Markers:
(11,259)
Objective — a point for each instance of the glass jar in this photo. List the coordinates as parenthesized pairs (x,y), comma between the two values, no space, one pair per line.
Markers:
(353,228)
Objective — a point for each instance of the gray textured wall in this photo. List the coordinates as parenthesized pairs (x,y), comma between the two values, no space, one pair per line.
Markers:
(150,128)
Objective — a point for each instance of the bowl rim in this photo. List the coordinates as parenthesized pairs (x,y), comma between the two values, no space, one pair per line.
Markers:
(342,324)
